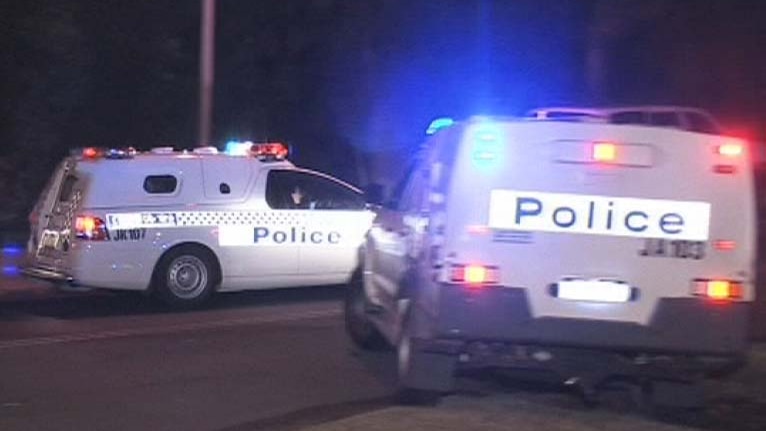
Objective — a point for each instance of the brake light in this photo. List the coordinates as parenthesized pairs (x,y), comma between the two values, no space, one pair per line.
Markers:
(718,289)
(604,152)
(474,275)
(91,228)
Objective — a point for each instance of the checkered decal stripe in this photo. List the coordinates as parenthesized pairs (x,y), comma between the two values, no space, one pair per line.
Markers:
(233,218)
(205,218)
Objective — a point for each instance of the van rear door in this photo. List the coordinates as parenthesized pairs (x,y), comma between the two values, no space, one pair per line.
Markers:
(52,221)
(653,208)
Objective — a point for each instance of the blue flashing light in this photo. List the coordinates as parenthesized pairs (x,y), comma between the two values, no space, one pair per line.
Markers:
(10,270)
(237,148)
(12,250)
(487,146)
(438,124)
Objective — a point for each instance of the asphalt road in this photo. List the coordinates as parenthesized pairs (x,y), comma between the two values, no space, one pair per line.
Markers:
(275,360)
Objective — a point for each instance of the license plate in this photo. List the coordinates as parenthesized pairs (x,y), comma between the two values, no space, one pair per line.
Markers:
(673,248)
(594,290)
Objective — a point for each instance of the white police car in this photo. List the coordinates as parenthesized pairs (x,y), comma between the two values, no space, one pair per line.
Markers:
(186,224)
(591,250)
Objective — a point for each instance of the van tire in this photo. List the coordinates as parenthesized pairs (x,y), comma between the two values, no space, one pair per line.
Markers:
(359,328)
(422,377)
(186,276)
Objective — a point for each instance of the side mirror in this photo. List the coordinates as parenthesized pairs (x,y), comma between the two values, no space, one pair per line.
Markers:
(373,194)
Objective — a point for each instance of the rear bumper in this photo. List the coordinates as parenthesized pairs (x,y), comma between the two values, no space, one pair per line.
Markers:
(42,273)
(683,326)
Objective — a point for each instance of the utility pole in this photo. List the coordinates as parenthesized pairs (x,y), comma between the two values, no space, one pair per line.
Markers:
(206,70)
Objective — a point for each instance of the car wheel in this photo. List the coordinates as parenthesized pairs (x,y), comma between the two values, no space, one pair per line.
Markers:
(186,277)
(360,329)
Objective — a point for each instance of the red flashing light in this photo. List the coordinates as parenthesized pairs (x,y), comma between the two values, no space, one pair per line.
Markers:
(90,153)
(272,150)
(605,152)
(90,228)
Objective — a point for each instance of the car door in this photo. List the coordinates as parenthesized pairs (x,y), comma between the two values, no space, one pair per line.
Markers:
(259,248)
(53,216)
(332,223)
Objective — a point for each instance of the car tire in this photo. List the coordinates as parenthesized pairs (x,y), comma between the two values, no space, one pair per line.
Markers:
(360,329)
(186,277)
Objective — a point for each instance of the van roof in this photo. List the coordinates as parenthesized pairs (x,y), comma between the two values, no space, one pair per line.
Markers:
(686,118)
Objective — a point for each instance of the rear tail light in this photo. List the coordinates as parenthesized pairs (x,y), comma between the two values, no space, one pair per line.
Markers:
(91,228)
(718,290)
(474,275)
(730,150)
(728,154)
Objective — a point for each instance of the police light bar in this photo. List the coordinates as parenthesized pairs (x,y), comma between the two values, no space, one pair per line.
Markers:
(269,151)
(95,153)
(236,148)
(120,153)
(438,124)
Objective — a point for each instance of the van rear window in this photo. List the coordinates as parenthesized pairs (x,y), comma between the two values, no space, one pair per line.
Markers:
(67,186)
(160,184)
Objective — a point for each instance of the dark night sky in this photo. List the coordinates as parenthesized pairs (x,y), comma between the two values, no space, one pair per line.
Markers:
(329,75)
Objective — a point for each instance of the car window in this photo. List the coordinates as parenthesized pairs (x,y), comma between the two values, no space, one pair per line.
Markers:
(412,198)
(287,189)
(160,184)
(400,187)
(67,186)
(700,123)
(665,119)
(628,117)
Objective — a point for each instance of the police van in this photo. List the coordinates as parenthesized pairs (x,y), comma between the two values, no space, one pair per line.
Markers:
(185,224)
(594,251)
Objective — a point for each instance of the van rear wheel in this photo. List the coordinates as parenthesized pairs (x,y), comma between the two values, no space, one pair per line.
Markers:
(186,277)
(422,377)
